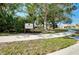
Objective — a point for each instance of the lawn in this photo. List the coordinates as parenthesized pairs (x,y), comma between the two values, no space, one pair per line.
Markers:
(35,47)
(75,35)
(7,34)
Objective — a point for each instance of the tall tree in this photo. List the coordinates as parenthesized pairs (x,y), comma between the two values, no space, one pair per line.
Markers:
(31,10)
(57,12)
(45,16)
(7,13)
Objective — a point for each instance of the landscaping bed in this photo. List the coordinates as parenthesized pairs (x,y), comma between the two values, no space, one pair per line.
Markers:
(75,35)
(35,47)
(37,30)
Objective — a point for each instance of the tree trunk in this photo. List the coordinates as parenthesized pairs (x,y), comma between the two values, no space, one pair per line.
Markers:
(45,17)
(45,24)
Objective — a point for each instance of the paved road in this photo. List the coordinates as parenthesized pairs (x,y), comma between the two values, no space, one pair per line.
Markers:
(22,37)
(72,50)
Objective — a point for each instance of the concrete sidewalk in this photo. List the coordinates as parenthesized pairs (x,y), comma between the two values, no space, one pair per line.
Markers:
(72,50)
(22,37)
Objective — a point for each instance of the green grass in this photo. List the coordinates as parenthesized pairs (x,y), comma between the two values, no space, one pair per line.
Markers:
(35,47)
(75,35)
(7,34)
(4,34)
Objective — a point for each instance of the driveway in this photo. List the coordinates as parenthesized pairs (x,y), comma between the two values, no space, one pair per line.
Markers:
(22,37)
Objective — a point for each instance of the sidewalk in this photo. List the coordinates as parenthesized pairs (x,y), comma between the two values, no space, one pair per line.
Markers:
(23,37)
(72,50)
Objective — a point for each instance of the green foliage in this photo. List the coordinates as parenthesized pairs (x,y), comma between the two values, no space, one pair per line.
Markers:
(42,13)
(8,21)
(19,25)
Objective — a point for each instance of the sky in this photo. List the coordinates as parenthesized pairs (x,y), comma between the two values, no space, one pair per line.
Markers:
(75,18)
(21,14)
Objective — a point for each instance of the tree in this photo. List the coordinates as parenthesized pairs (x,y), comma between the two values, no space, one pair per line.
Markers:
(19,24)
(50,12)
(57,13)
(45,16)
(32,10)
(7,16)
(44,13)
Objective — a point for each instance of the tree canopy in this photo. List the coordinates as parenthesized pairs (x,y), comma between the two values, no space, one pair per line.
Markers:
(41,12)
